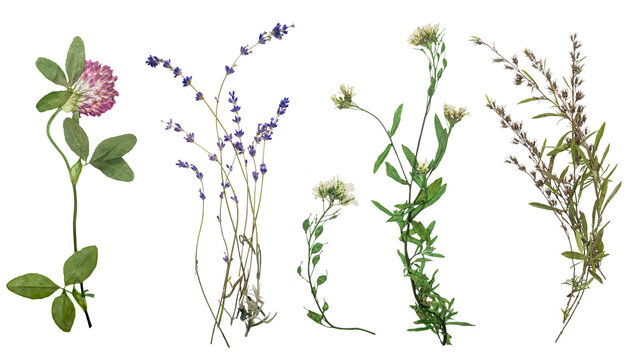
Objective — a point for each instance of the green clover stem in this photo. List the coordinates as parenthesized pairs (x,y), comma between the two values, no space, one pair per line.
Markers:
(68,168)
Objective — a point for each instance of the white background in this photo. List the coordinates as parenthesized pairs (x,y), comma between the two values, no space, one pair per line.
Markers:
(503,261)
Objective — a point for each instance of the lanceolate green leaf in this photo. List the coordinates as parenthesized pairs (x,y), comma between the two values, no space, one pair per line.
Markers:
(442,139)
(437,195)
(529,100)
(573,255)
(392,173)
(579,243)
(382,208)
(548,115)
(381,158)
(396,120)
(410,156)
(615,190)
(459,323)
(76,138)
(80,265)
(32,286)
(75,60)
(543,206)
(52,100)
(438,128)
(51,71)
(63,312)
(598,136)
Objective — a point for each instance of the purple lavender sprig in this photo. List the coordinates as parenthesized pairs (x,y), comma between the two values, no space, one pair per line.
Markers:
(249,302)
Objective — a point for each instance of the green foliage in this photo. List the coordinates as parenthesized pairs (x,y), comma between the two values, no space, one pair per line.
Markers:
(80,299)
(410,156)
(381,158)
(394,174)
(63,312)
(114,147)
(315,316)
(321,279)
(434,312)
(80,265)
(77,269)
(313,227)
(75,60)
(117,169)
(572,175)
(51,71)
(32,286)
(107,157)
(52,100)
(75,171)
(396,120)
(382,208)
(76,138)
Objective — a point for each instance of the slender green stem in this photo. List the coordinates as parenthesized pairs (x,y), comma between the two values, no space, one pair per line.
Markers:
(68,168)
(198,277)
(48,134)
(320,222)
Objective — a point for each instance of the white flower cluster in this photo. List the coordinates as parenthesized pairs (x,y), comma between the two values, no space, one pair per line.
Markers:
(335,190)
(424,35)
(344,99)
(423,167)
(453,115)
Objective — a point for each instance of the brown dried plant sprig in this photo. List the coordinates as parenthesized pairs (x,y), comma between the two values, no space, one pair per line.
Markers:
(582,172)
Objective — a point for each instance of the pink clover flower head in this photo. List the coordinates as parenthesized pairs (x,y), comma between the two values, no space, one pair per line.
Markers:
(94,92)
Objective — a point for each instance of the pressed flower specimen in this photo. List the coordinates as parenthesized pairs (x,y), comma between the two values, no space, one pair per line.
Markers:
(576,187)
(89,90)
(242,169)
(434,312)
(334,195)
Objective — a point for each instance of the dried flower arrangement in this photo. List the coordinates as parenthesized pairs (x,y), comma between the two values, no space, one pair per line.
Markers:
(576,187)
(241,171)
(334,194)
(89,91)
(434,312)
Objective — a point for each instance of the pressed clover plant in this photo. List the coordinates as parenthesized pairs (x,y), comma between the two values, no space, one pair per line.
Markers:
(334,195)
(572,175)
(88,90)
(434,312)
(241,175)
